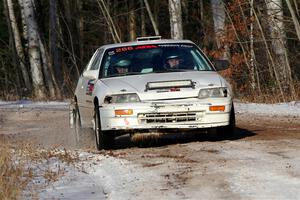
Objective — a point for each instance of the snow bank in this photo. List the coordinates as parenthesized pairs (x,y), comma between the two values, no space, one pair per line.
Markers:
(34,104)
(280,109)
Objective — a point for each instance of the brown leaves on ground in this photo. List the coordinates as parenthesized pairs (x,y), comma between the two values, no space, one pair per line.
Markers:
(22,164)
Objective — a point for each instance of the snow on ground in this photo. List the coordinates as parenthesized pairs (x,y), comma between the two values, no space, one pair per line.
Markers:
(261,172)
(280,109)
(34,104)
(104,177)
(247,170)
(98,176)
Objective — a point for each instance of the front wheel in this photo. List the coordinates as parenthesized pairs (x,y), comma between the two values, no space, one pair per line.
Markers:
(104,140)
(224,132)
(229,130)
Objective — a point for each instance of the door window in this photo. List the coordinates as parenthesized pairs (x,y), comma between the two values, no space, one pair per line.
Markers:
(96,62)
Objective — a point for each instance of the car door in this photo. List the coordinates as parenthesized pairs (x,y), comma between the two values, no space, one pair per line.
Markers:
(87,82)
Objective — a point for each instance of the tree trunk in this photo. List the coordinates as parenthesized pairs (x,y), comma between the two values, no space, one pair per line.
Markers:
(151,17)
(253,67)
(25,33)
(46,69)
(278,38)
(11,47)
(294,18)
(109,21)
(132,21)
(272,67)
(80,27)
(201,10)
(175,19)
(33,50)
(218,10)
(296,2)
(53,43)
(18,44)
(143,22)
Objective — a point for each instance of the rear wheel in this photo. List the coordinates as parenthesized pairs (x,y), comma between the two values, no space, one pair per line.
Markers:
(104,140)
(77,125)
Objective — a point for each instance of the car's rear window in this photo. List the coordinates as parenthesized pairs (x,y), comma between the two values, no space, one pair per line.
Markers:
(153,58)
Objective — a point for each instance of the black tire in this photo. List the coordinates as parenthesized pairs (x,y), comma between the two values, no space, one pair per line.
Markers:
(83,136)
(228,131)
(213,134)
(77,125)
(104,140)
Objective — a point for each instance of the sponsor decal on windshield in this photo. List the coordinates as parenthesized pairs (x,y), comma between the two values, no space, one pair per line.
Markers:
(176,45)
(148,46)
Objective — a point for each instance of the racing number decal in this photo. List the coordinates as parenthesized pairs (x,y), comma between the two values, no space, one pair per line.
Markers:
(123,49)
(90,87)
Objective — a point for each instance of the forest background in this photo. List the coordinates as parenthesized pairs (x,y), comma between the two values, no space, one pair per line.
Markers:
(45,44)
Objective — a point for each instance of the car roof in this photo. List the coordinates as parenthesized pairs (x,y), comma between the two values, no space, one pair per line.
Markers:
(163,41)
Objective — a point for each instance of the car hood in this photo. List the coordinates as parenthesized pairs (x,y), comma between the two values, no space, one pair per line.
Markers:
(137,84)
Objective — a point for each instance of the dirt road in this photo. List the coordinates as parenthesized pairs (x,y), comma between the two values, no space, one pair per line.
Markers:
(261,162)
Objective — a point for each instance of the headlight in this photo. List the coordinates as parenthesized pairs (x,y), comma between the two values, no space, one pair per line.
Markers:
(122,98)
(213,92)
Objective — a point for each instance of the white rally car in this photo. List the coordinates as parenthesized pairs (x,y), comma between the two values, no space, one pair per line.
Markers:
(151,84)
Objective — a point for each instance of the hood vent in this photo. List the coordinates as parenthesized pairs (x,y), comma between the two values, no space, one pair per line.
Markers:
(170,84)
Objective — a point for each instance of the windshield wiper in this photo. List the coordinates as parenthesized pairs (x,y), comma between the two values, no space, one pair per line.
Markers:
(161,71)
(132,73)
(173,70)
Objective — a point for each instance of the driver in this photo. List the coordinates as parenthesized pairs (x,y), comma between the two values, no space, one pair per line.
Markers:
(172,62)
(121,67)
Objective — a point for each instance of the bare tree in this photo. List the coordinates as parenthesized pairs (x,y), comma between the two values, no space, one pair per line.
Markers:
(175,19)
(33,50)
(110,22)
(132,21)
(278,37)
(143,22)
(54,63)
(151,17)
(25,34)
(219,15)
(294,17)
(46,66)
(18,44)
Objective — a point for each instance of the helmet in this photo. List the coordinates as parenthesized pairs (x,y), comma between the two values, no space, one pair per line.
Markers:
(172,62)
(172,57)
(122,63)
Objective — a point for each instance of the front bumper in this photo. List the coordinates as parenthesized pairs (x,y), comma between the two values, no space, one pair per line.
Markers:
(192,113)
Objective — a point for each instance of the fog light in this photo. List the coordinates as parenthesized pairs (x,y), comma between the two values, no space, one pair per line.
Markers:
(124,112)
(217,108)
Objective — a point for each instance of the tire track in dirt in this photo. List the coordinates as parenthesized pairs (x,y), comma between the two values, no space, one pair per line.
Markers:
(191,165)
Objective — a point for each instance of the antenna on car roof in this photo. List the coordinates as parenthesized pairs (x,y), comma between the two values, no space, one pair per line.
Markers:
(157,37)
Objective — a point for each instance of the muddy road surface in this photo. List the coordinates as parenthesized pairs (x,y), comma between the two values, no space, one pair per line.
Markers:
(262,161)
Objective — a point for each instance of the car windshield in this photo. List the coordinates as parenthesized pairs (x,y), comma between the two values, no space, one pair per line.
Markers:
(153,58)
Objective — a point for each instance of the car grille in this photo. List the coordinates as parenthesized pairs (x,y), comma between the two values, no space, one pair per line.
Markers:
(169,117)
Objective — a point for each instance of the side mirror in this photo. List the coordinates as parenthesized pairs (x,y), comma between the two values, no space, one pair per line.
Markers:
(91,74)
(221,64)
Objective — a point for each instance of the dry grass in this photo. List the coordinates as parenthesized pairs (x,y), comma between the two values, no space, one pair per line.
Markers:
(24,168)
(267,98)
(12,174)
